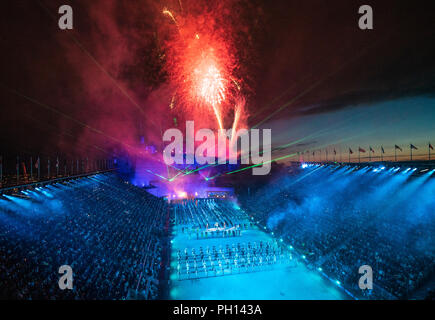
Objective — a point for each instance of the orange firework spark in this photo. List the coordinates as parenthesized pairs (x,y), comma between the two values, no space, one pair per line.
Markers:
(209,83)
(169,13)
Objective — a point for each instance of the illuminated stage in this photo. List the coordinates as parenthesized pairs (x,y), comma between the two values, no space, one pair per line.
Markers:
(215,272)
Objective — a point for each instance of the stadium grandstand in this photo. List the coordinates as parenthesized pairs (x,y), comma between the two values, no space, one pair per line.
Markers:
(111,233)
(313,224)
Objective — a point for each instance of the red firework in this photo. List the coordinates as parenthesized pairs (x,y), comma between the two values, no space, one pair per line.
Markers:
(201,65)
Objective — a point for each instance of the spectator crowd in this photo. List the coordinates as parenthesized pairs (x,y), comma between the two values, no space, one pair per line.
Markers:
(110,232)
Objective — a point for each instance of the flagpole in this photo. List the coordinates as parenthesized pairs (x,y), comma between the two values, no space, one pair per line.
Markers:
(395,154)
(428,148)
(359,156)
(18,169)
(1,170)
(39,168)
(410,147)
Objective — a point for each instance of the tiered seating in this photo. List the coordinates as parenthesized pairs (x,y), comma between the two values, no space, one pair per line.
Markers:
(344,226)
(108,231)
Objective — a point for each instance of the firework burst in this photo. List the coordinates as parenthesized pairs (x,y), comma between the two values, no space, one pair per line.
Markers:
(201,63)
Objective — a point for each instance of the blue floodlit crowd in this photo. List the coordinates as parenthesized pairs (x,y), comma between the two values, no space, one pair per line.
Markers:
(108,231)
(114,235)
(339,232)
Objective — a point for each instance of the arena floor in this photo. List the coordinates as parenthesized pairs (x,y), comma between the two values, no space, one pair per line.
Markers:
(294,282)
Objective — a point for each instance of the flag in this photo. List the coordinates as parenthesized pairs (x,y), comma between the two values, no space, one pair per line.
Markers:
(335,152)
(313,153)
(361,149)
(397,147)
(382,148)
(24,168)
(413,147)
(350,151)
(371,150)
(430,146)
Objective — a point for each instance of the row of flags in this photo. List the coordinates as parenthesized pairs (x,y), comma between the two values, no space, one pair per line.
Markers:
(81,165)
(372,150)
(396,147)
(37,162)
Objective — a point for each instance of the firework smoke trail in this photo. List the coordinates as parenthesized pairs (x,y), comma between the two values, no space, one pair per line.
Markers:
(218,117)
(238,110)
(181,5)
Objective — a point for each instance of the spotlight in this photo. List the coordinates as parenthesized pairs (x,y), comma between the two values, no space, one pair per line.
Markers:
(320,269)
(304,257)
(304,165)
(337,282)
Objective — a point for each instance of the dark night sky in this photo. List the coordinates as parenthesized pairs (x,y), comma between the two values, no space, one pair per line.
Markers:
(55,97)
